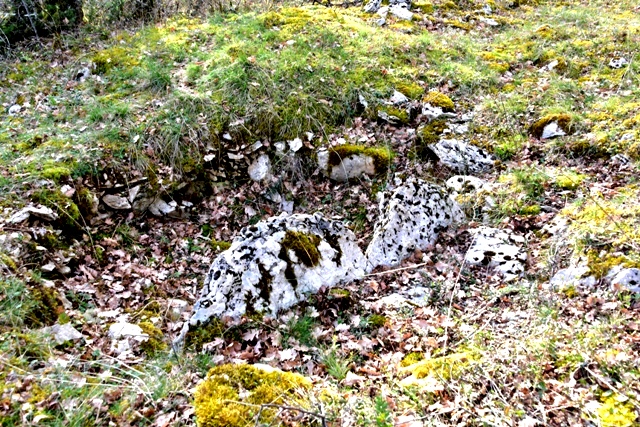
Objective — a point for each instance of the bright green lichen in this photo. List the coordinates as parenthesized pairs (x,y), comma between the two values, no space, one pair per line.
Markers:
(304,246)
(377,321)
(563,121)
(56,173)
(381,156)
(438,99)
(219,245)
(218,399)
(447,367)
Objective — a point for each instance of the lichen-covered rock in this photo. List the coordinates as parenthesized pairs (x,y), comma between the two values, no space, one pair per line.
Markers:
(462,157)
(499,249)
(410,218)
(260,168)
(346,162)
(465,183)
(275,264)
(625,278)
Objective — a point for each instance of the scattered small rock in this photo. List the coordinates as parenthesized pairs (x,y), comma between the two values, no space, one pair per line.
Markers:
(41,212)
(260,169)
(15,109)
(552,130)
(624,278)
(161,208)
(465,183)
(499,249)
(618,62)
(572,276)
(63,333)
(372,6)
(116,202)
(401,12)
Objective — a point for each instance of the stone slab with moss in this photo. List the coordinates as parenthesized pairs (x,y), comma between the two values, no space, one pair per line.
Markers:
(411,217)
(275,264)
(346,162)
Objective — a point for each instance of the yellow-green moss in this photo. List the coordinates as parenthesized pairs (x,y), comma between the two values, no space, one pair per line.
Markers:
(68,212)
(377,321)
(616,411)
(569,180)
(304,245)
(115,56)
(411,90)
(381,156)
(569,291)
(430,133)
(529,210)
(423,6)
(56,173)
(8,261)
(155,343)
(400,115)
(217,400)
(219,245)
(411,359)
(438,99)
(45,307)
(204,334)
(446,367)
(563,121)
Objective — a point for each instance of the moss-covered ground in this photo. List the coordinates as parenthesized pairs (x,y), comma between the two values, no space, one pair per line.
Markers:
(169,102)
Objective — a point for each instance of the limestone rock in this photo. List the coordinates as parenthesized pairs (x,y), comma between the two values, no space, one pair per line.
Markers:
(618,62)
(401,12)
(410,218)
(15,109)
(41,212)
(64,333)
(499,249)
(346,162)
(275,264)
(572,276)
(260,169)
(161,208)
(123,334)
(116,202)
(625,278)
(372,6)
(552,130)
(465,183)
(462,157)
(398,98)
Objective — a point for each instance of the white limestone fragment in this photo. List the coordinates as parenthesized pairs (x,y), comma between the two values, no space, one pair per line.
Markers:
(352,166)
(625,278)
(116,202)
(41,212)
(260,168)
(398,98)
(572,276)
(499,249)
(411,217)
(63,333)
(401,12)
(465,183)
(552,130)
(618,62)
(161,208)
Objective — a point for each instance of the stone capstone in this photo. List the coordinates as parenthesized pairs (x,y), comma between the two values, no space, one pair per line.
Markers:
(410,218)
(462,157)
(499,249)
(275,264)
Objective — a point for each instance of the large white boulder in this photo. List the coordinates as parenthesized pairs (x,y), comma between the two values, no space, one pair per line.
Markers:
(411,217)
(275,264)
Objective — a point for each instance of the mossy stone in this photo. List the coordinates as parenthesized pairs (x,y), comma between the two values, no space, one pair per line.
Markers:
(410,90)
(381,156)
(440,100)
(563,121)
(155,343)
(400,115)
(304,246)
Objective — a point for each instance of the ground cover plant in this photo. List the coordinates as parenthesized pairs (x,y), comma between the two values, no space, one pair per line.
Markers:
(177,108)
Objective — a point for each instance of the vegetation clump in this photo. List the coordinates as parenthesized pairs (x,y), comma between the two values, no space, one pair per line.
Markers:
(219,245)
(410,89)
(204,334)
(562,120)
(447,367)
(155,343)
(411,358)
(377,321)
(440,100)
(304,246)
(44,307)
(218,401)
(394,114)
(381,156)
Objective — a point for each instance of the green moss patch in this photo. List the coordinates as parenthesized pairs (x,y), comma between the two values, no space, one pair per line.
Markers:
(218,401)
(394,114)
(304,246)
(440,100)
(155,344)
